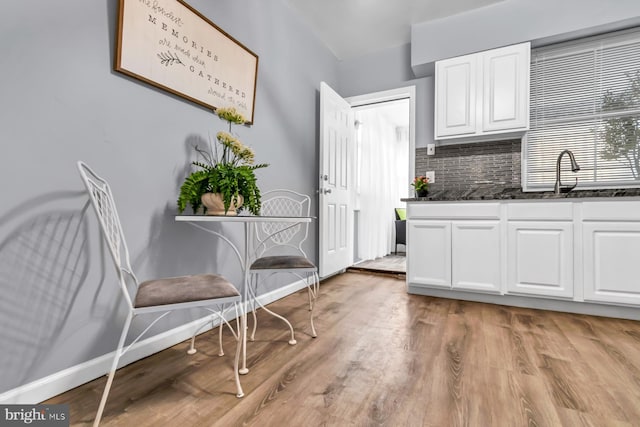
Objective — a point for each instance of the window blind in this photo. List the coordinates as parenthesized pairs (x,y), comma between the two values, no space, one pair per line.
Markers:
(585,97)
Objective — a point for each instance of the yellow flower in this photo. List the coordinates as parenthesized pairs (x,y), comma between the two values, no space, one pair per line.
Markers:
(231,115)
(236,147)
(239,150)
(247,155)
(227,139)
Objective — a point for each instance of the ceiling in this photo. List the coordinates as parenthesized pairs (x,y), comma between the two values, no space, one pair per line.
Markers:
(352,28)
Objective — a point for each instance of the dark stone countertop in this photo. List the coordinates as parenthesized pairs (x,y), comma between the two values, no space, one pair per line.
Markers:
(516,193)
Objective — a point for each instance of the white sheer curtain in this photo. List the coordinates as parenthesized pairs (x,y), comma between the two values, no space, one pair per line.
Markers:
(383,160)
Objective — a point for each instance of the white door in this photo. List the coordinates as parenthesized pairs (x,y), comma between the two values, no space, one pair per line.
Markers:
(335,208)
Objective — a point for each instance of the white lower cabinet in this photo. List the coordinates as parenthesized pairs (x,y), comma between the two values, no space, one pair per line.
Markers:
(462,255)
(429,253)
(611,262)
(475,255)
(571,251)
(540,258)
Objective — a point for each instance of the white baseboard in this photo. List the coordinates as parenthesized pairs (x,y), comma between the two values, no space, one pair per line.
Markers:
(62,381)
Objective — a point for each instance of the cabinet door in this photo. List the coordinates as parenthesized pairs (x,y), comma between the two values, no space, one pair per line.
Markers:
(610,267)
(505,100)
(475,255)
(540,258)
(429,253)
(455,94)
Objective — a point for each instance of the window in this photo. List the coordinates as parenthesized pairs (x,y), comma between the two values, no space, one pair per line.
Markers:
(585,97)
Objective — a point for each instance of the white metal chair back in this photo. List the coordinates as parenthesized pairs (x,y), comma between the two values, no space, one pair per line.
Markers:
(105,208)
(283,203)
(273,239)
(161,296)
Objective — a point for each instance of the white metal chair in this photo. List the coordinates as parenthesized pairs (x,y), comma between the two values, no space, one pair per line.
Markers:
(159,296)
(279,250)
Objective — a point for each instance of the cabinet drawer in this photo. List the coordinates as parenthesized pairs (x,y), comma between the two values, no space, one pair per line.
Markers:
(466,210)
(617,210)
(541,211)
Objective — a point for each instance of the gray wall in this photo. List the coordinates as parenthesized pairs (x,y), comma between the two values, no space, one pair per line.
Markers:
(61,102)
(510,22)
(390,69)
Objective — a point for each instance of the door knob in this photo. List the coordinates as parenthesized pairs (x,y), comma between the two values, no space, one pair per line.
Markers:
(326,191)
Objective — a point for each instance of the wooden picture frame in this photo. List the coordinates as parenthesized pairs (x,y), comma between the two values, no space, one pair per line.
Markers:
(170,45)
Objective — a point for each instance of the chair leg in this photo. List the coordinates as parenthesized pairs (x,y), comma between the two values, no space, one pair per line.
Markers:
(192,347)
(253,313)
(112,372)
(292,341)
(221,327)
(313,295)
(221,351)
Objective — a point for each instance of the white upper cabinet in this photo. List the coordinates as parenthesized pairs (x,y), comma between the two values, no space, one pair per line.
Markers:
(505,103)
(483,95)
(456,88)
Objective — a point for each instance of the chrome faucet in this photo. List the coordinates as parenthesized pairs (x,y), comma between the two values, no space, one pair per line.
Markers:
(558,188)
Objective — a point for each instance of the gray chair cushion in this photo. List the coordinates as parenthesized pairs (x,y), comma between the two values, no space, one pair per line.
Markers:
(277,262)
(181,289)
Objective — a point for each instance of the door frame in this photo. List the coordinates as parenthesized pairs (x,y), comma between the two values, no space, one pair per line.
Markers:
(407,92)
(394,95)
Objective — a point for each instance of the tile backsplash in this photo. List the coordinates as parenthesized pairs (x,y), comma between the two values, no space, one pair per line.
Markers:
(462,166)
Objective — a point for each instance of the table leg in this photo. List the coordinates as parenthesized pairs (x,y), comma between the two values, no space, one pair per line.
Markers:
(245,292)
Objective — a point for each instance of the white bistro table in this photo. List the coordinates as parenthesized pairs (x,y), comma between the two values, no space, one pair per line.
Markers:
(245,257)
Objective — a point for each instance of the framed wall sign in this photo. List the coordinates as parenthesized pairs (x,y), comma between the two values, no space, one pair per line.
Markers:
(170,45)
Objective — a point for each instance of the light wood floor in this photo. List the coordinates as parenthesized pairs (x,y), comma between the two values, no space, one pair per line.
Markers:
(384,357)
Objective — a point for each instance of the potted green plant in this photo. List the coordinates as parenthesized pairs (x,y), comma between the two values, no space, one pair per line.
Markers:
(421,185)
(226,175)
